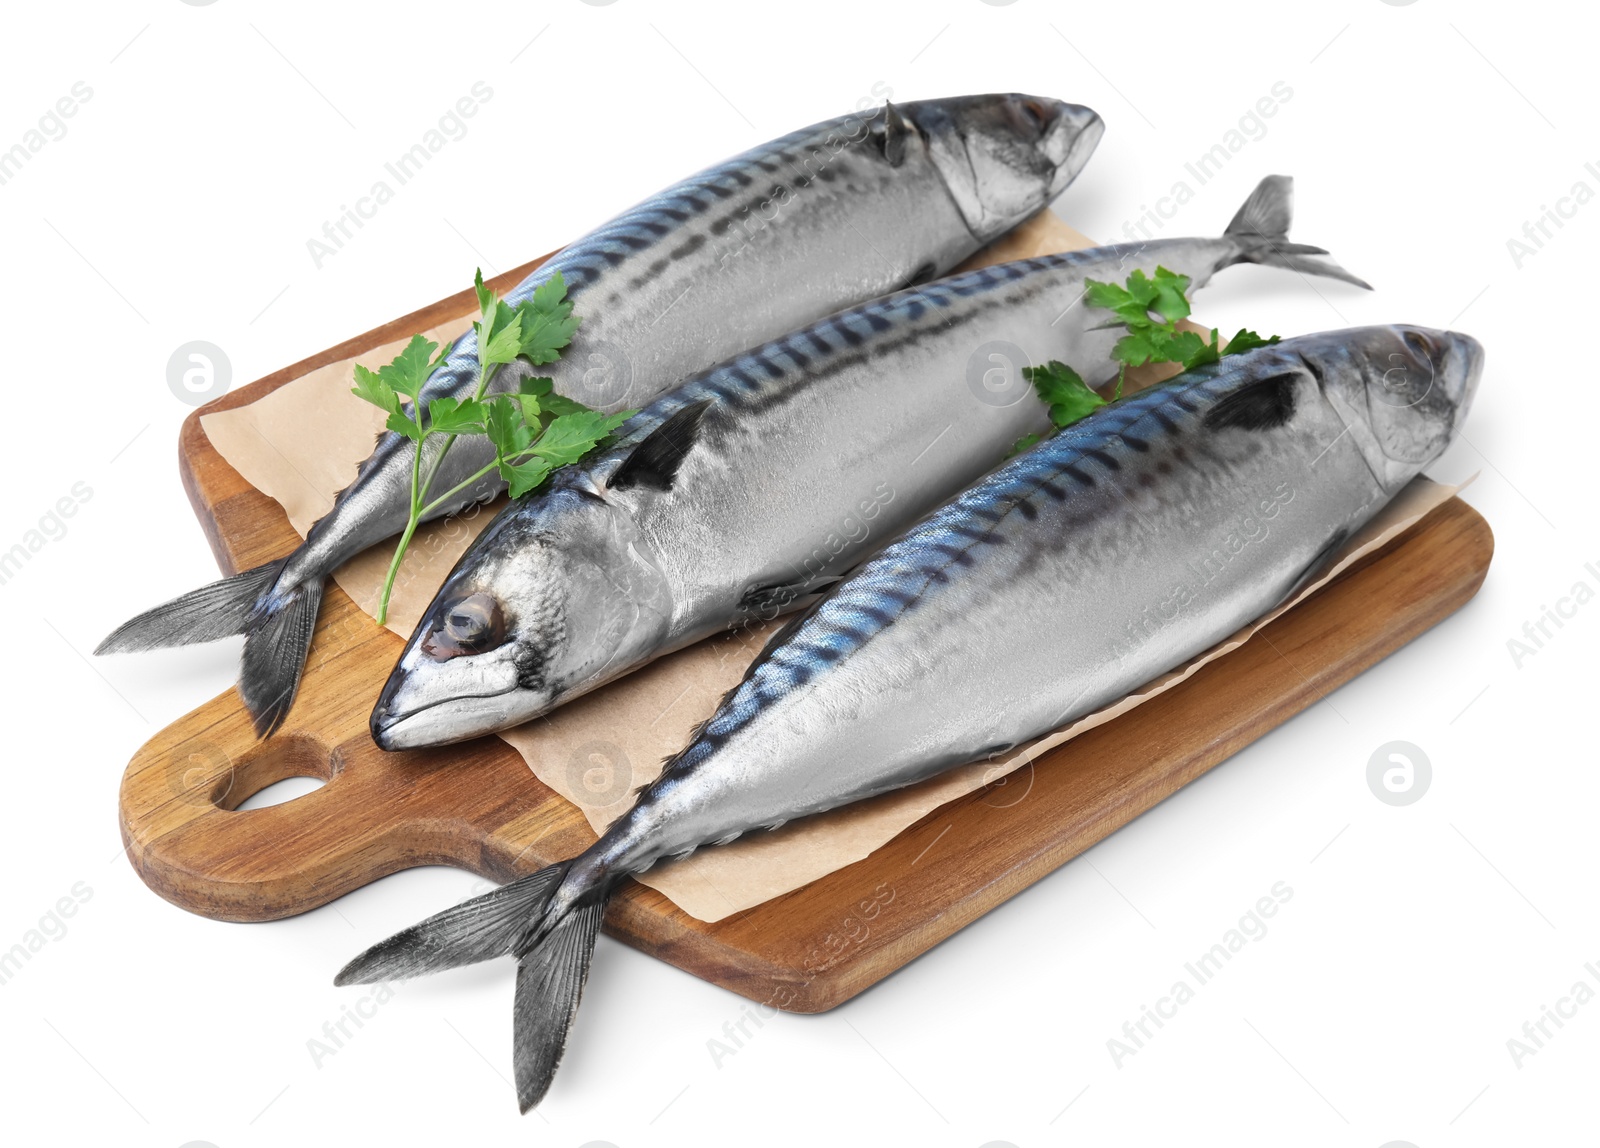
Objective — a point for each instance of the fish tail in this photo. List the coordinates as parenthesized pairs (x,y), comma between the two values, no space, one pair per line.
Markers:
(277,626)
(219,610)
(553,943)
(275,649)
(478,929)
(1261,232)
(550,977)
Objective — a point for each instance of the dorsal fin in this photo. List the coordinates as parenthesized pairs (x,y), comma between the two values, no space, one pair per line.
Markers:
(892,135)
(655,461)
(1260,404)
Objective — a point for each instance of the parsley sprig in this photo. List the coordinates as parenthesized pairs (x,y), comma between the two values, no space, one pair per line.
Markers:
(1150,307)
(533,431)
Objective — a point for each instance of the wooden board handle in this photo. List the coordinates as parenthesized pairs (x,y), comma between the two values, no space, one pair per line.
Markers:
(377,813)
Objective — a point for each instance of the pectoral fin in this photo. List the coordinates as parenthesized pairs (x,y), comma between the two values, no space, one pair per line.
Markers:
(655,461)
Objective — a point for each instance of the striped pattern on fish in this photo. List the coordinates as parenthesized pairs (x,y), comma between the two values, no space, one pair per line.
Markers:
(753,468)
(791,230)
(1066,579)
(1021,604)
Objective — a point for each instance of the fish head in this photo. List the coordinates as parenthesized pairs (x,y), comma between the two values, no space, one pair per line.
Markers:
(1005,157)
(1404,395)
(546,598)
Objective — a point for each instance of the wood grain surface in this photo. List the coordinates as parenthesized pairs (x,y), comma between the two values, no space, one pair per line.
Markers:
(477,806)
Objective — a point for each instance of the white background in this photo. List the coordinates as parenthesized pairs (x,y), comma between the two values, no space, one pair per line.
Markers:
(217,141)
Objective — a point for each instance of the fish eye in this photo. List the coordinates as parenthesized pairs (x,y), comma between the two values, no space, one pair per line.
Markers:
(471,624)
(1420,345)
(1030,116)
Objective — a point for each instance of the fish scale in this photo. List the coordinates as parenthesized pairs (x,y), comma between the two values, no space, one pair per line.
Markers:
(880,328)
(769,477)
(1021,604)
(791,230)
(1085,516)
(626,240)
(904,574)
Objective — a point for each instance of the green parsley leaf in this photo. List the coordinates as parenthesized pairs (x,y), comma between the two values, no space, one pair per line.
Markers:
(506,428)
(1137,348)
(547,321)
(412,367)
(1026,442)
(550,296)
(499,336)
(371,386)
(555,404)
(1189,349)
(540,402)
(569,437)
(544,335)
(523,477)
(485,296)
(401,424)
(1169,299)
(456,416)
(1246,340)
(1064,392)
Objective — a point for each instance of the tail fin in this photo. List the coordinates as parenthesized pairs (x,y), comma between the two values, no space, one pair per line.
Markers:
(219,610)
(477,930)
(550,978)
(1261,230)
(552,962)
(277,633)
(275,650)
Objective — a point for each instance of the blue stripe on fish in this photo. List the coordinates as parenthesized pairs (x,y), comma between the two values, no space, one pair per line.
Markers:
(893,582)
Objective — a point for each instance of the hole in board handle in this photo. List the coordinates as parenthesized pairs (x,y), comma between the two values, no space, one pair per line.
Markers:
(280,792)
(279,770)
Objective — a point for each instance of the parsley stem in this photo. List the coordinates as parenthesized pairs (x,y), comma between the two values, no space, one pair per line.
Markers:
(511,460)
(411,527)
(485,375)
(421,485)
(456,489)
(394,569)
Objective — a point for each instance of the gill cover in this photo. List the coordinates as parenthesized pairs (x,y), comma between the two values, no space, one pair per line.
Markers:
(1405,392)
(1003,158)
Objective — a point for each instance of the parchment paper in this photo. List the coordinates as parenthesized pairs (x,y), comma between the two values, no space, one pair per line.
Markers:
(301,444)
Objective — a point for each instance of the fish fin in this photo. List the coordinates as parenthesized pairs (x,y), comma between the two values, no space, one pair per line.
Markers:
(275,650)
(776,598)
(1261,231)
(476,930)
(550,977)
(219,610)
(1259,404)
(892,134)
(655,461)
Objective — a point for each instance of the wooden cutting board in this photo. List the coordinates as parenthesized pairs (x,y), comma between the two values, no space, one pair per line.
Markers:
(477,806)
